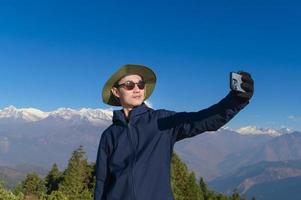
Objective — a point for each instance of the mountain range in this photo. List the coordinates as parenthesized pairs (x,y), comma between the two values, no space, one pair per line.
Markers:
(29,136)
(42,138)
(267,180)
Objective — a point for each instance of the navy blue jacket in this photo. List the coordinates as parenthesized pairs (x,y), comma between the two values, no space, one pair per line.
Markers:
(134,155)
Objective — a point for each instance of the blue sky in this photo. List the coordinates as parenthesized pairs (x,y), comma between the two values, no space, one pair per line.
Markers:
(59,53)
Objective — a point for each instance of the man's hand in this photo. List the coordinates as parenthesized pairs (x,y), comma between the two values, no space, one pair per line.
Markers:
(247,85)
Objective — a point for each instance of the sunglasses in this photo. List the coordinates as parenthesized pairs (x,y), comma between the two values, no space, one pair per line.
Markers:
(129,85)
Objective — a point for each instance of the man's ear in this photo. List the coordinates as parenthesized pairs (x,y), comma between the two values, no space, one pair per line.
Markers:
(114,91)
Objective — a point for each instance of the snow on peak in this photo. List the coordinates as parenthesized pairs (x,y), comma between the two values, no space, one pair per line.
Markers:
(64,113)
(253,130)
(95,116)
(286,130)
(26,114)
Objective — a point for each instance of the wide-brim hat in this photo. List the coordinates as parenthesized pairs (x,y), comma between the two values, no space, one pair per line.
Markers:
(129,69)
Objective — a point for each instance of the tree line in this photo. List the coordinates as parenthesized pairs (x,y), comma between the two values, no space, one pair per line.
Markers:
(77,182)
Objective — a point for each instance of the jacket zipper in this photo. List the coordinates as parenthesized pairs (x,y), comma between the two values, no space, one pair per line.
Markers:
(132,164)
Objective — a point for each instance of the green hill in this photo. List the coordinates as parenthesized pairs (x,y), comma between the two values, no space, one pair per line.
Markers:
(77,181)
(11,176)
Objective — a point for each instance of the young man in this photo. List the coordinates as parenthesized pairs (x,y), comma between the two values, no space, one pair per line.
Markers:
(134,155)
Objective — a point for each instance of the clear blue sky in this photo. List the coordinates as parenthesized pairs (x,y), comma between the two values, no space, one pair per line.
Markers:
(59,53)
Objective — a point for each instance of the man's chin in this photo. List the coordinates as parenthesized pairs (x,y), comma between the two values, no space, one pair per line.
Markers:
(138,103)
(134,103)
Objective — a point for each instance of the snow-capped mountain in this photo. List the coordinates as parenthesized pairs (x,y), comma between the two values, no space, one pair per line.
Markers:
(94,116)
(29,135)
(253,130)
(26,114)
(98,116)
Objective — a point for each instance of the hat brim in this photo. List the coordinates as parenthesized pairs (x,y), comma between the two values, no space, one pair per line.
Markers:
(148,76)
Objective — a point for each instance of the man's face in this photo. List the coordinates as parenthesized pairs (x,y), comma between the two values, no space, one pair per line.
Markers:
(129,98)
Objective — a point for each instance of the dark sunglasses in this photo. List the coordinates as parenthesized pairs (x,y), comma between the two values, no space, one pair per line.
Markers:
(129,85)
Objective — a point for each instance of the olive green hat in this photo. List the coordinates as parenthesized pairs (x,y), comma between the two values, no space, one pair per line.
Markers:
(129,69)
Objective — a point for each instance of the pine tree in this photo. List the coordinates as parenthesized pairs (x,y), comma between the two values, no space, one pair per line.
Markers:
(194,191)
(76,177)
(53,179)
(204,189)
(184,184)
(179,176)
(56,195)
(33,185)
(92,180)
(236,196)
(7,195)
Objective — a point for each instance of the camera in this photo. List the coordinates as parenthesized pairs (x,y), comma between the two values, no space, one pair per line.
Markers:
(235,82)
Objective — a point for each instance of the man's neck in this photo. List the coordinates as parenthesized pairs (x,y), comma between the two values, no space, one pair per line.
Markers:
(127,110)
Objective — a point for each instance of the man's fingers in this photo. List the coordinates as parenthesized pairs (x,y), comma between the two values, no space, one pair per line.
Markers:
(246,77)
(246,87)
(247,80)
(245,74)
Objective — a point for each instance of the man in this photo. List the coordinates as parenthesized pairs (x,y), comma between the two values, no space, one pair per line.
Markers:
(134,155)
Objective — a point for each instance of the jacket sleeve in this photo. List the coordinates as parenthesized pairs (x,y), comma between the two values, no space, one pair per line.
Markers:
(101,168)
(189,124)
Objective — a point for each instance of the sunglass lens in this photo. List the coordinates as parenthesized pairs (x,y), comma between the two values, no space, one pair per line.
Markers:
(141,85)
(129,85)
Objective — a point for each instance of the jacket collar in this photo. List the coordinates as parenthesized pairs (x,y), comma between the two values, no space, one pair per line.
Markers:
(119,117)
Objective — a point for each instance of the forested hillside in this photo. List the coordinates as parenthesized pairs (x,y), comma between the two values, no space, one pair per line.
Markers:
(77,181)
